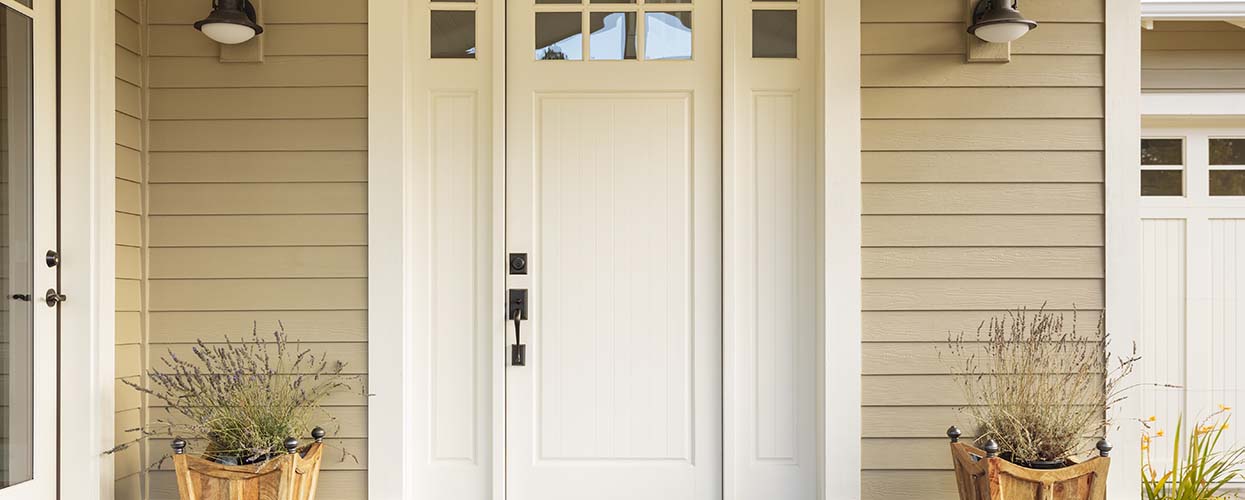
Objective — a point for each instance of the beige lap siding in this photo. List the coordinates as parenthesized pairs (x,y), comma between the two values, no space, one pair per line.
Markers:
(129,462)
(982,191)
(1182,56)
(257,189)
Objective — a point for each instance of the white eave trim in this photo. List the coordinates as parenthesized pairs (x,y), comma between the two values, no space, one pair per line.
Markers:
(1192,10)
(1193,104)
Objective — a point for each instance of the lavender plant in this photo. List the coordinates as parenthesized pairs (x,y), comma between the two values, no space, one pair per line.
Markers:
(244,398)
(1036,386)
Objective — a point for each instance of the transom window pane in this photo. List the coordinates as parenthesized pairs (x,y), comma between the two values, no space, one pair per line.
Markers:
(559,36)
(1227,152)
(774,34)
(1162,183)
(453,34)
(1162,151)
(1227,182)
(668,35)
(613,36)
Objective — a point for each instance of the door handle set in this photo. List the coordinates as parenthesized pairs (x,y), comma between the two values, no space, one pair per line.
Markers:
(516,310)
(53,298)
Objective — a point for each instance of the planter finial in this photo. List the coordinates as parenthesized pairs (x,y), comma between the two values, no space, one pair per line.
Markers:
(291,445)
(954,433)
(318,434)
(991,448)
(179,446)
(1104,448)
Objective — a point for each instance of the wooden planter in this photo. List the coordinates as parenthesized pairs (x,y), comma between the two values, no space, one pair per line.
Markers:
(982,475)
(289,477)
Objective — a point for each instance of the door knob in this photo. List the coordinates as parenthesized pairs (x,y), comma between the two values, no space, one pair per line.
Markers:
(54,298)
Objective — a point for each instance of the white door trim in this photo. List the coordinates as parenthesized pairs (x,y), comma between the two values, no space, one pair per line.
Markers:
(389,285)
(1193,104)
(88,239)
(842,426)
(1123,227)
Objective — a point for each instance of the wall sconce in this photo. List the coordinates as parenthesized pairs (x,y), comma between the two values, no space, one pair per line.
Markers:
(998,21)
(231,22)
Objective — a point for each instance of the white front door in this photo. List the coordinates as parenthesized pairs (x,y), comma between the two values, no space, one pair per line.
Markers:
(28,327)
(613,190)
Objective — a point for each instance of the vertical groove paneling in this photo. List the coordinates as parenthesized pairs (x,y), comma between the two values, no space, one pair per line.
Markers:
(1163,273)
(1227,308)
(454,266)
(779,325)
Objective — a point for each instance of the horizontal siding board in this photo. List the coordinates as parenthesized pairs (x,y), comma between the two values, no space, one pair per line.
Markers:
(982,166)
(982,135)
(1016,198)
(279,40)
(912,422)
(934,358)
(128,327)
(128,295)
(307,326)
(129,262)
(352,355)
(129,131)
(129,360)
(274,198)
(1193,40)
(258,135)
(130,8)
(932,326)
(982,230)
(129,98)
(1039,262)
(262,294)
(951,71)
(129,230)
(262,103)
(275,11)
(129,198)
(947,103)
(276,71)
(908,485)
(128,33)
(265,166)
(258,262)
(129,164)
(1199,79)
(1193,59)
(129,66)
(257,230)
(912,390)
(949,38)
(952,11)
(124,424)
(979,294)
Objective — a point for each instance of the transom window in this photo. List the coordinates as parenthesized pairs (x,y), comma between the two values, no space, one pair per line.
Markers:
(613,30)
(1194,166)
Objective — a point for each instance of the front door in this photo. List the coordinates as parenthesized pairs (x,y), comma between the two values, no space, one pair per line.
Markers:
(27,232)
(613,190)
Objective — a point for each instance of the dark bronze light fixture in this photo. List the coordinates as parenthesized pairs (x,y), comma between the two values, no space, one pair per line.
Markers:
(231,22)
(998,21)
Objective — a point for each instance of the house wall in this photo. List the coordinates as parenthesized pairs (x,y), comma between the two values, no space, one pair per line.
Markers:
(257,197)
(982,191)
(1180,56)
(129,462)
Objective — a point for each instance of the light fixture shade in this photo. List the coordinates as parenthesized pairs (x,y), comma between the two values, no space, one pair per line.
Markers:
(998,21)
(231,22)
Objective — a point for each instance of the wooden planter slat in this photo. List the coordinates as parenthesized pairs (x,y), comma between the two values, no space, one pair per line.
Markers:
(991,478)
(289,477)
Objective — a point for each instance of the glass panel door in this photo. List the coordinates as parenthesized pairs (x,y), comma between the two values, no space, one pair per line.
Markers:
(28,204)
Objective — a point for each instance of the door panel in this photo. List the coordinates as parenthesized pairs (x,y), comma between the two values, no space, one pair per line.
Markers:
(613,189)
(27,231)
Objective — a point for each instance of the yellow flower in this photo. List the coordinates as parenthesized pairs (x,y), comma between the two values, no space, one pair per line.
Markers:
(1224,427)
(1158,433)
(1153,418)
(1225,408)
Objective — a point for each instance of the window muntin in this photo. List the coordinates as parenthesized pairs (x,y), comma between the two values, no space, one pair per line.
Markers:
(1162,167)
(613,30)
